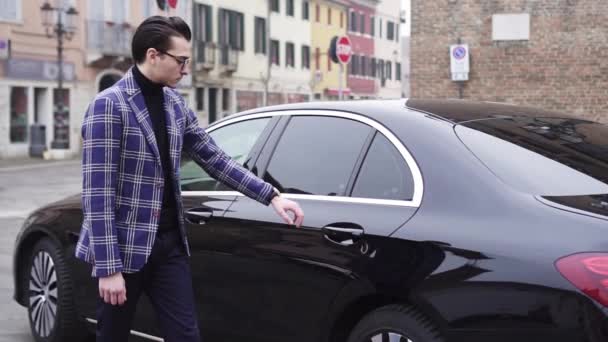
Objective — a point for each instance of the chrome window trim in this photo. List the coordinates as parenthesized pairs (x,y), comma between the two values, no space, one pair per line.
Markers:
(409,160)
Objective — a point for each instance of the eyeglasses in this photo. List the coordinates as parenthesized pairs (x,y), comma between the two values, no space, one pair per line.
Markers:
(183,61)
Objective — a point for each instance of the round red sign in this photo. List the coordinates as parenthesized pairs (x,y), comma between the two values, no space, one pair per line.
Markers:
(343,49)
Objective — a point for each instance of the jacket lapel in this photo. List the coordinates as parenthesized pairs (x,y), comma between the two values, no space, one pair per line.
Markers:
(173,130)
(138,105)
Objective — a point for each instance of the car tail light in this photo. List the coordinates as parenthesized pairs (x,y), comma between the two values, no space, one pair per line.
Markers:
(588,272)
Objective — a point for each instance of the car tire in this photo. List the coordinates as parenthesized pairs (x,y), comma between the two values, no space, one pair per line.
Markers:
(51,312)
(395,323)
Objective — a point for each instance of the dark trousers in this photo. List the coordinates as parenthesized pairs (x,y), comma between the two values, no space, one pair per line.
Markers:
(167,281)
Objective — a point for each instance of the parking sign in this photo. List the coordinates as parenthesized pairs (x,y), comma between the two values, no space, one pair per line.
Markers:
(459,62)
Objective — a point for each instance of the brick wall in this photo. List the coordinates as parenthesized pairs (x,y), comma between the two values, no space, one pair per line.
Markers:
(563,66)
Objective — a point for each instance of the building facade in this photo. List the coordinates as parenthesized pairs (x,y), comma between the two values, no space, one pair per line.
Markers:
(361,80)
(98,54)
(387,35)
(328,20)
(549,54)
(290,41)
(228,64)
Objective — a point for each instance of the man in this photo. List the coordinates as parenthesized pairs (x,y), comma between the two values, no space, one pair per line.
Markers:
(133,231)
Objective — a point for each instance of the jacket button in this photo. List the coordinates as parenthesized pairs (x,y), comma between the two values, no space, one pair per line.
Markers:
(156,213)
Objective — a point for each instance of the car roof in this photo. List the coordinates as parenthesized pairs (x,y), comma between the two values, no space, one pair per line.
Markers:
(450,110)
(457,111)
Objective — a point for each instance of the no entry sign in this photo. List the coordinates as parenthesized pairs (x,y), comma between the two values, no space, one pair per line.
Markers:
(340,49)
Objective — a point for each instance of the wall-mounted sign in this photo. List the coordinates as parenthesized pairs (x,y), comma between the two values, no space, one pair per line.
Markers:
(31,69)
(459,62)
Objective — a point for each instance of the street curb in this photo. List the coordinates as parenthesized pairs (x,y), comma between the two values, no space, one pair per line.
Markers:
(38,165)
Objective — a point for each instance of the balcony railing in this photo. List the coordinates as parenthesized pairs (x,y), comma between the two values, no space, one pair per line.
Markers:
(109,39)
(205,55)
(229,57)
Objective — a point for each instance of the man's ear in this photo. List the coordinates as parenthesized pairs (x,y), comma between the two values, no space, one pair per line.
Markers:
(152,55)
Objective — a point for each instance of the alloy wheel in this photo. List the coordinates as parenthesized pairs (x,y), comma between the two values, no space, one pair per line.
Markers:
(43,294)
(389,336)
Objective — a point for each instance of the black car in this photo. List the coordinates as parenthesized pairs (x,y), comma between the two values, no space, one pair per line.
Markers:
(426,220)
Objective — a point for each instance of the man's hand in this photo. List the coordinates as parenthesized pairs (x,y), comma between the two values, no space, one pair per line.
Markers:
(282,205)
(112,289)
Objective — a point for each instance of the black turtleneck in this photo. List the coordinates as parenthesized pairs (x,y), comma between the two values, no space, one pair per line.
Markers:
(155,100)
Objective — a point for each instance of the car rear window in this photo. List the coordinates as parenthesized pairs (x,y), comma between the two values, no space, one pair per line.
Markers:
(542,156)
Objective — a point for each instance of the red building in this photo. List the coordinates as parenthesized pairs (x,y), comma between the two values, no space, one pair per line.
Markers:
(361,19)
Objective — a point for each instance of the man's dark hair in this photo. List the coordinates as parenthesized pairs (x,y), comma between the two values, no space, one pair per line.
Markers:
(156,32)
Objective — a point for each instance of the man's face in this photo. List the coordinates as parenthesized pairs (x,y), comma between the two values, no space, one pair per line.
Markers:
(174,63)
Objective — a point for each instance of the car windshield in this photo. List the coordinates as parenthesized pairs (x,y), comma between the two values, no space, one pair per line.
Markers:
(542,156)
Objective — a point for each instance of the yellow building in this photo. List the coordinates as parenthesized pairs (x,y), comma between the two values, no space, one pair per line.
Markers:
(328,19)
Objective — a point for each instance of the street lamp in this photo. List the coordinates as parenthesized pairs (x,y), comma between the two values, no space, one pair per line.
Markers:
(59,22)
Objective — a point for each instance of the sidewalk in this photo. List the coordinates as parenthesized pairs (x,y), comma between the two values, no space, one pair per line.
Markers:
(13,164)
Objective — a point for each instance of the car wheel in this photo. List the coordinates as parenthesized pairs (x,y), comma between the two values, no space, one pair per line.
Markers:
(50,305)
(395,323)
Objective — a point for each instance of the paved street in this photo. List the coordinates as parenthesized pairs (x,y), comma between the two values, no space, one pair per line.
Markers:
(24,186)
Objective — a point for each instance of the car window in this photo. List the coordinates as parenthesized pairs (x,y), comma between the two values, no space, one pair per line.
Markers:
(542,156)
(384,173)
(236,140)
(316,155)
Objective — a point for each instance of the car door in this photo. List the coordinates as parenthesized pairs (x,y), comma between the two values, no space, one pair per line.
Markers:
(204,200)
(282,280)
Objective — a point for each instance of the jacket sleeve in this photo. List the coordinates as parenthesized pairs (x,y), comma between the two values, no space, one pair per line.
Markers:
(101,133)
(205,152)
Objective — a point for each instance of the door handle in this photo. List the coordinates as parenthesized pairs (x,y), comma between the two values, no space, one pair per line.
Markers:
(343,234)
(198,215)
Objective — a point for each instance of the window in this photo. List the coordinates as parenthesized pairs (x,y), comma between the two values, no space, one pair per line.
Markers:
(568,156)
(363,66)
(236,140)
(119,11)
(18,128)
(260,35)
(225,99)
(372,67)
(329,16)
(362,25)
(289,8)
(289,55)
(274,52)
(398,71)
(317,57)
(274,6)
(336,154)
(397,33)
(355,65)
(305,57)
(147,7)
(384,173)
(389,70)
(390,30)
(305,8)
(381,69)
(341,19)
(203,23)
(372,26)
(353,22)
(317,13)
(231,29)
(329,62)
(10,10)
(200,99)
(380,28)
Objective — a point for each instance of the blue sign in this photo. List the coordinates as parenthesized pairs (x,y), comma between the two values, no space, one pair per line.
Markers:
(459,52)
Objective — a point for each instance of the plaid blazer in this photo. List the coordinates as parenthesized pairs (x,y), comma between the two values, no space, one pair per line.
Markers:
(122,188)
